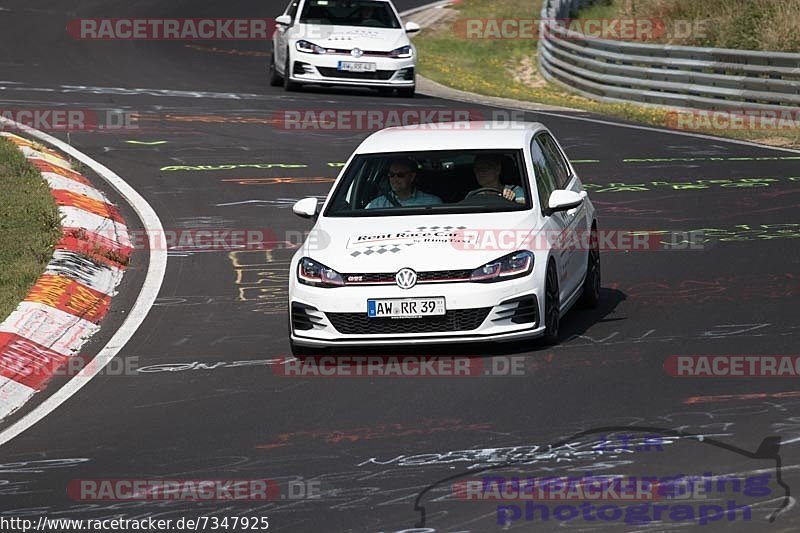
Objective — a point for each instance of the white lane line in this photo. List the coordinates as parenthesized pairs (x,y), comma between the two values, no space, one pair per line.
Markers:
(147,296)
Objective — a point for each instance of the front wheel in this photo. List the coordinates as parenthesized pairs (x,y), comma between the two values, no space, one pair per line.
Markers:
(591,283)
(552,306)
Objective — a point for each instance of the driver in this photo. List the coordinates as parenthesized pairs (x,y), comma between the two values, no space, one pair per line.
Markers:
(402,175)
(487,169)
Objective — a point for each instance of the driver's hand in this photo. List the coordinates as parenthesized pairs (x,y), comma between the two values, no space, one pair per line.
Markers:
(508,193)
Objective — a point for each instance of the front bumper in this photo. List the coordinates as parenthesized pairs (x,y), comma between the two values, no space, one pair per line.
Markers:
(323,69)
(504,311)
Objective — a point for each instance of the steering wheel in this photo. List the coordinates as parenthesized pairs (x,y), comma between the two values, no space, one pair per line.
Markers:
(483,190)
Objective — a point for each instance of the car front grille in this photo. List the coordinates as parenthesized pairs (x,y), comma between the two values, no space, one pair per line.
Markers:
(453,320)
(330,72)
(387,278)
(364,53)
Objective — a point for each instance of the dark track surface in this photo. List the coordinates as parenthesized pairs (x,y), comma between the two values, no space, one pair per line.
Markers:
(368,440)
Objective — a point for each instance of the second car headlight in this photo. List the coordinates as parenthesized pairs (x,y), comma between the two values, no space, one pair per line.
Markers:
(309,47)
(510,266)
(310,272)
(403,51)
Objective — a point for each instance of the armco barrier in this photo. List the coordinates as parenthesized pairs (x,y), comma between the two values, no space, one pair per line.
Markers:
(674,76)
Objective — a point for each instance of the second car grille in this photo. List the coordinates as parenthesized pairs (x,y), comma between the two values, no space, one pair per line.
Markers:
(454,320)
(330,72)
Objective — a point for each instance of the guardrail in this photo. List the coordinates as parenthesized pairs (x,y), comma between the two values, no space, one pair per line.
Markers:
(674,76)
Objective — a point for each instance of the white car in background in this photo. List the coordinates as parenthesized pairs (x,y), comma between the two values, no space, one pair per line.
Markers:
(374,273)
(343,42)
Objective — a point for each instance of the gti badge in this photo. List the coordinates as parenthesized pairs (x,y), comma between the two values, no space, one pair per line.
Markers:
(356,52)
(406,278)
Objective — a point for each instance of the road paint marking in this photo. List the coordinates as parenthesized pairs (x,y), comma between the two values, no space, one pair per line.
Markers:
(147,143)
(156,270)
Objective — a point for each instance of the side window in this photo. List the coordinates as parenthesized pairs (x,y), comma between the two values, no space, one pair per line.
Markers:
(554,159)
(545,179)
(292,9)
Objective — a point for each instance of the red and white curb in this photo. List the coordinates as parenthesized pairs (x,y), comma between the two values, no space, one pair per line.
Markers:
(153,278)
(69,300)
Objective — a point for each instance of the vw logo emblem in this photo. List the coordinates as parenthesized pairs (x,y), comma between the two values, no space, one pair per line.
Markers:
(406,278)
(356,52)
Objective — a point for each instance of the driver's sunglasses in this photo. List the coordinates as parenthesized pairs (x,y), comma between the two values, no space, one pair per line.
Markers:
(399,174)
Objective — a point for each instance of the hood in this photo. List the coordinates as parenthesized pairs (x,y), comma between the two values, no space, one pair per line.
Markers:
(423,243)
(349,37)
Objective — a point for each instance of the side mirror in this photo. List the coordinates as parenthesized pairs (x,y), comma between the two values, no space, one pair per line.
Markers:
(412,27)
(561,200)
(284,20)
(306,208)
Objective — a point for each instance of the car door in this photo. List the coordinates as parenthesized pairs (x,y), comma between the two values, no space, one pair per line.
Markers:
(575,219)
(553,223)
(282,35)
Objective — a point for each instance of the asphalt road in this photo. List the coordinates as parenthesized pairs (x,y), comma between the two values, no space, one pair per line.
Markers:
(375,444)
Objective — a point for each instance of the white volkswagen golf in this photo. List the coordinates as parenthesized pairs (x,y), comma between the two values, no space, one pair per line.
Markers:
(343,42)
(443,236)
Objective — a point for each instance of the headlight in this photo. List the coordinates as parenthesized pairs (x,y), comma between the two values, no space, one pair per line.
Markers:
(309,272)
(510,266)
(309,47)
(403,51)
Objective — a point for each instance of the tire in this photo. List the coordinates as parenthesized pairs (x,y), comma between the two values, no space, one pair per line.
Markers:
(552,306)
(288,84)
(275,79)
(407,92)
(591,283)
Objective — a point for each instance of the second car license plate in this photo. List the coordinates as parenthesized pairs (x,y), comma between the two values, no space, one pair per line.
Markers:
(405,307)
(354,66)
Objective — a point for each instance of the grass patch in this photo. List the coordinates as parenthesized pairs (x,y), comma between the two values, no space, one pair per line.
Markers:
(29,226)
(508,68)
(767,25)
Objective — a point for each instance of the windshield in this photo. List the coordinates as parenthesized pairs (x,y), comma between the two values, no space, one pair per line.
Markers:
(363,13)
(435,182)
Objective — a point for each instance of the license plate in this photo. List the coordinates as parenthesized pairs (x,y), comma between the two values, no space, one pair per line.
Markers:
(405,307)
(354,66)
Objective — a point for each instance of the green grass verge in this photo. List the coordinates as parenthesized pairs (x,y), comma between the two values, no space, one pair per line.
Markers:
(488,67)
(769,25)
(29,226)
